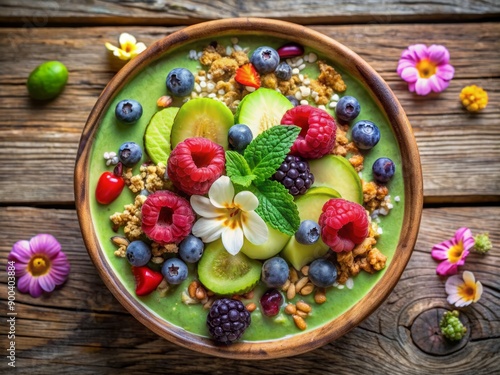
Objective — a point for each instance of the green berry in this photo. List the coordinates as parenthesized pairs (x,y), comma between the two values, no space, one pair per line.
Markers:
(482,243)
(451,327)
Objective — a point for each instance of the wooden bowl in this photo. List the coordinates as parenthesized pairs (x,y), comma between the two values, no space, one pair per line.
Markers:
(97,239)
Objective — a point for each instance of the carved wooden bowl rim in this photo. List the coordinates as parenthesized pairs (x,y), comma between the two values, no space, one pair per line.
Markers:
(411,169)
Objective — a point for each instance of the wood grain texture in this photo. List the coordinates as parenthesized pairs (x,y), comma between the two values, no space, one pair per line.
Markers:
(82,328)
(30,13)
(39,141)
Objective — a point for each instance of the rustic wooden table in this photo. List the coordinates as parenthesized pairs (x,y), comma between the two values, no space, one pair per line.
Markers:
(82,328)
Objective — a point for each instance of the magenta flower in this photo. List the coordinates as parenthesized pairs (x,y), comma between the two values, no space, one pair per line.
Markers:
(425,68)
(452,253)
(40,264)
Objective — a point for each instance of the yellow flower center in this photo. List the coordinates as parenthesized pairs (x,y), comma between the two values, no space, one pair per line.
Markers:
(426,68)
(39,265)
(233,218)
(128,47)
(467,292)
(455,252)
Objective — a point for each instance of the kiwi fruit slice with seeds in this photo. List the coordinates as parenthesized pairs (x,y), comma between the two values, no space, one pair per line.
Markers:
(227,274)
(202,117)
(262,109)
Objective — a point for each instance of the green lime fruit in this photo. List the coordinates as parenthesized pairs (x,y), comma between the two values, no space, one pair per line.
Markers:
(47,80)
(157,135)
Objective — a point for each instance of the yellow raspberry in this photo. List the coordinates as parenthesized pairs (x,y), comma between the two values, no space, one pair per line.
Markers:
(473,98)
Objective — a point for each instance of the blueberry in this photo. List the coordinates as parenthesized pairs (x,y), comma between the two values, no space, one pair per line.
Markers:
(383,169)
(138,253)
(129,153)
(365,134)
(322,273)
(128,111)
(347,108)
(275,272)
(174,270)
(308,232)
(293,100)
(180,82)
(191,249)
(239,136)
(265,59)
(283,71)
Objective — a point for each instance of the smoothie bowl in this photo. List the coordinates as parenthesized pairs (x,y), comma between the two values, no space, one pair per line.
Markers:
(248,188)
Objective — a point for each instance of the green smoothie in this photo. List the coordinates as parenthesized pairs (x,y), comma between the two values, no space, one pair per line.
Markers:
(146,87)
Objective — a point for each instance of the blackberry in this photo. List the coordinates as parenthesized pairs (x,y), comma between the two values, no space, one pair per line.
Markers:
(227,320)
(294,174)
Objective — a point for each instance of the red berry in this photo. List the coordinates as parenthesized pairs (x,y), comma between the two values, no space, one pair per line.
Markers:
(110,185)
(344,224)
(195,164)
(166,217)
(146,280)
(271,302)
(317,136)
(290,50)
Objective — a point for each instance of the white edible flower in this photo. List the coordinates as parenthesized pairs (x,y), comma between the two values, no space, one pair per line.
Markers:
(228,216)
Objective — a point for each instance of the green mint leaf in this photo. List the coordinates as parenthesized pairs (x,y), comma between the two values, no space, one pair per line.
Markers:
(238,170)
(267,151)
(276,206)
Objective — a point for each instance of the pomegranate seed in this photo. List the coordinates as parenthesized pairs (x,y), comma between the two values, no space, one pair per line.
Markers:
(290,50)
(271,302)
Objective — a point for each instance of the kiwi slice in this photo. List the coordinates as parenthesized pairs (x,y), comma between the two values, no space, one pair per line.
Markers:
(227,274)
(202,117)
(157,134)
(262,109)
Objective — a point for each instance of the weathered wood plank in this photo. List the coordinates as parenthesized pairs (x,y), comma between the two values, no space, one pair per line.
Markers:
(38,142)
(82,327)
(35,13)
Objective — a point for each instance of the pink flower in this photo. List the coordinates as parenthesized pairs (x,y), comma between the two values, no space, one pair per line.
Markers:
(425,68)
(463,290)
(453,252)
(40,265)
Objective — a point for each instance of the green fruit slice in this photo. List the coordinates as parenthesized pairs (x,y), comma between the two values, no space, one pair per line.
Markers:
(262,109)
(157,135)
(47,80)
(276,240)
(337,173)
(227,274)
(310,206)
(202,117)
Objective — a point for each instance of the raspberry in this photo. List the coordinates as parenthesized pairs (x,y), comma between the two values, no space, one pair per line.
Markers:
(294,174)
(344,224)
(227,320)
(166,217)
(195,164)
(317,136)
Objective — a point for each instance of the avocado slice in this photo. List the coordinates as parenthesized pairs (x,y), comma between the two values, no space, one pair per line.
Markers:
(310,207)
(274,244)
(157,135)
(336,172)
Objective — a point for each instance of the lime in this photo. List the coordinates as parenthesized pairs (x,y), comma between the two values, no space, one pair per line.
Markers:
(47,80)
(157,135)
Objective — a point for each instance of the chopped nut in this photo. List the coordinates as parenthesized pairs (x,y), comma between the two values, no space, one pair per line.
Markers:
(251,306)
(302,314)
(300,284)
(290,293)
(305,270)
(192,288)
(294,277)
(290,309)
(299,322)
(320,296)
(200,293)
(286,285)
(303,306)
(307,289)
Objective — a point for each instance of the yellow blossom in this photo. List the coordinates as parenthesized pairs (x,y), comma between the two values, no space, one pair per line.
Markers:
(129,48)
(473,98)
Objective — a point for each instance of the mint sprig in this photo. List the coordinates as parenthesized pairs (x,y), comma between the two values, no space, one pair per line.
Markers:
(253,170)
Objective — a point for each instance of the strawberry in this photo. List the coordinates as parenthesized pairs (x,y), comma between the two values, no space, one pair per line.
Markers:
(146,280)
(110,185)
(247,76)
